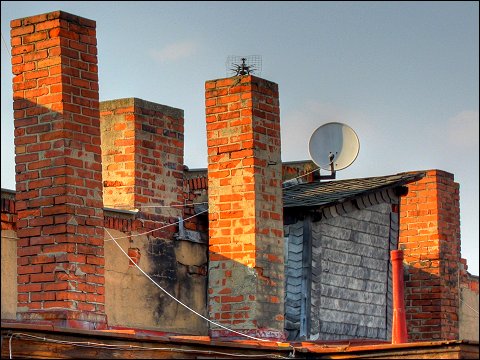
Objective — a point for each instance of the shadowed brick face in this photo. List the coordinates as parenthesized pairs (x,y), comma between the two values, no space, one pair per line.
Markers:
(142,145)
(58,170)
(246,270)
(430,237)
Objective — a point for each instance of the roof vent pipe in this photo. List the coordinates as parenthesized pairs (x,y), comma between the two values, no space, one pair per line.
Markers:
(399,325)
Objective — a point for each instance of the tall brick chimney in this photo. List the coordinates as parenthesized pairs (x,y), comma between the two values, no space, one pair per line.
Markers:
(143,149)
(430,238)
(58,170)
(246,265)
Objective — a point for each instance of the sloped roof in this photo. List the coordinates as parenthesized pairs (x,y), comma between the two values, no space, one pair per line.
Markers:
(328,193)
(53,342)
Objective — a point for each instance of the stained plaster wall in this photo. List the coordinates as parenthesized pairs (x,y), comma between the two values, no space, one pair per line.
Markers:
(9,255)
(468,312)
(133,300)
(9,274)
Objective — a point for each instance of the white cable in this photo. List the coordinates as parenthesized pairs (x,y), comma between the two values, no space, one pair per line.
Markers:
(10,346)
(5,43)
(297,177)
(138,347)
(157,206)
(476,311)
(174,298)
(160,228)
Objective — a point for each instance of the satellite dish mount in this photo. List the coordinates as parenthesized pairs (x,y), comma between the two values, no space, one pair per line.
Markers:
(331,157)
(333,146)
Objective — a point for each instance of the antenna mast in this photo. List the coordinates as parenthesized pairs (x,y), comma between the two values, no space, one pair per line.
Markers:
(243,65)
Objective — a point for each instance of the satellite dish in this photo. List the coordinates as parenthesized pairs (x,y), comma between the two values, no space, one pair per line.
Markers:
(334,146)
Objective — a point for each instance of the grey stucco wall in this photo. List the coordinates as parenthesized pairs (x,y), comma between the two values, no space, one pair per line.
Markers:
(132,300)
(9,274)
(468,314)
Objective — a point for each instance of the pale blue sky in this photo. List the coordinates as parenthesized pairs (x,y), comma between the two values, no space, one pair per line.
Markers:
(403,75)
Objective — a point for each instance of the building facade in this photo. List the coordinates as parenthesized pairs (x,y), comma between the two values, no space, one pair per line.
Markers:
(107,228)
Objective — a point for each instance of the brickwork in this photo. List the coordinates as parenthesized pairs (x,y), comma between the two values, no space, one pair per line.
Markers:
(430,238)
(57,212)
(58,170)
(142,148)
(246,270)
(302,171)
(8,214)
(195,192)
(142,145)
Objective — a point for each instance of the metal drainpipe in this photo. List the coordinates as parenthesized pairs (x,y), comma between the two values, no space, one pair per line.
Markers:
(399,325)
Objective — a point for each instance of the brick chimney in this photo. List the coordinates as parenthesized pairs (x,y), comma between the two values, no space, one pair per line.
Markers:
(143,149)
(246,264)
(58,171)
(430,238)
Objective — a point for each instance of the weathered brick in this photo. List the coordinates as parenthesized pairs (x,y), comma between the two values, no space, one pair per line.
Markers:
(431,245)
(235,145)
(48,116)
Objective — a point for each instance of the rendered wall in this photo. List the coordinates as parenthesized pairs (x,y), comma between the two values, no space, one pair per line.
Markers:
(9,275)
(134,301)
(468,312)
(131,299)
(9,255)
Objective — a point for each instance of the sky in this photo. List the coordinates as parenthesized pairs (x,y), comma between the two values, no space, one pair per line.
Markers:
(403,75)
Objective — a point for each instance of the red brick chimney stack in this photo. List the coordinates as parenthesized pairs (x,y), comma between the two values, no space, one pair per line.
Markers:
(430,238)
(143,149)
(246,263)
(58,170)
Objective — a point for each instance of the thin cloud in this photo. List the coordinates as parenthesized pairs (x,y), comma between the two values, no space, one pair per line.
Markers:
(462,130)
(299,124)
(176,51)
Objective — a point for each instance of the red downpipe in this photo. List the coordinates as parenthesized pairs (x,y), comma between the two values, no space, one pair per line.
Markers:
(399,325)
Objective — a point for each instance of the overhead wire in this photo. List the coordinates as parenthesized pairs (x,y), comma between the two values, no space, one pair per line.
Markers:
(297,177)
(159,206)
(161,288)
(174,298)
(160,228)
(5,43)
(174,223)
(128,347)
(471,308)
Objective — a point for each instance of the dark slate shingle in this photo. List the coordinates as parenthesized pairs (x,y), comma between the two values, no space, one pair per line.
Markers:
(338,191)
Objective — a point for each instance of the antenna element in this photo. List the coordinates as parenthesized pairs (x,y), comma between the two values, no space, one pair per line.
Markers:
(243,65)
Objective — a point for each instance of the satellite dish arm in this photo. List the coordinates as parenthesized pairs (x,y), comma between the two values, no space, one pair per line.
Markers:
(331,156)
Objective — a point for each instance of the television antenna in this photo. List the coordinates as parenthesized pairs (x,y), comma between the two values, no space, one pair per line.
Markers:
(333,146)
(243,65)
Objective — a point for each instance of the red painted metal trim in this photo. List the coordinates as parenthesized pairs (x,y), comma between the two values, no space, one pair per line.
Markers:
(399,325)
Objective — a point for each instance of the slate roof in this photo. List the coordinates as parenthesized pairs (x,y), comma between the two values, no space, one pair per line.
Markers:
(328,193)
